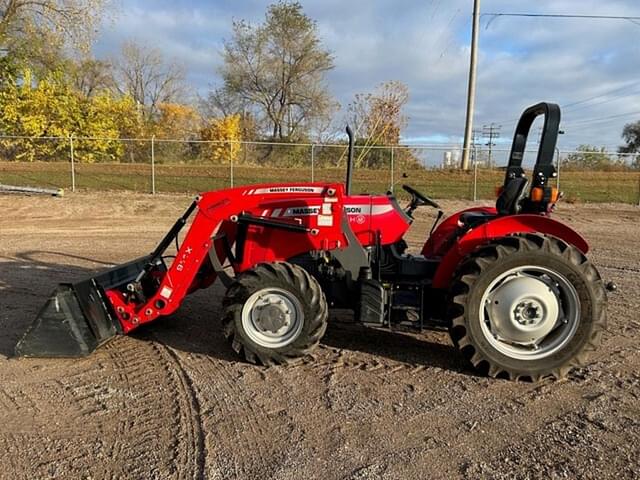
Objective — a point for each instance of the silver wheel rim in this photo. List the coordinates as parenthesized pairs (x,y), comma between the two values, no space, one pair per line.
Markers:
(529,312)
(272,317)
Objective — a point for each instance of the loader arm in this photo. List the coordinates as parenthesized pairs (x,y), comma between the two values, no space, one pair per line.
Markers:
(222,220)
(238,225)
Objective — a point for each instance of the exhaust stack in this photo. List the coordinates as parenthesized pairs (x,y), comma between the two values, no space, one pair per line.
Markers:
(350,161)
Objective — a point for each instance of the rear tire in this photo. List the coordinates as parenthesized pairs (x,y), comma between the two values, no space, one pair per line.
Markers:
(527,306)
(274,313)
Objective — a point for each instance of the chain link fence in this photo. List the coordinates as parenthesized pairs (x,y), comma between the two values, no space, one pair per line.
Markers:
(164,166)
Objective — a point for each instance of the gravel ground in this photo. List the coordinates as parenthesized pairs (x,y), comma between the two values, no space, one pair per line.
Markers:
(173,400)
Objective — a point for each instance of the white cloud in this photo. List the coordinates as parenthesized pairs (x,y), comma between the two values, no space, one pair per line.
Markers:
(424,43)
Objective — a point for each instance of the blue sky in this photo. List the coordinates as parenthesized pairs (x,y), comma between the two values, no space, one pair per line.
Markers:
(425,44)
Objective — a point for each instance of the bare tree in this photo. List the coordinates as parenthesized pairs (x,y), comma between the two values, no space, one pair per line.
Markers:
(219,103)
(377,117)
(90,76)
(148,78)
(278,68)
(378,120)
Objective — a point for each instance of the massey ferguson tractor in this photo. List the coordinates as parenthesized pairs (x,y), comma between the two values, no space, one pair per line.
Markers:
(511,285)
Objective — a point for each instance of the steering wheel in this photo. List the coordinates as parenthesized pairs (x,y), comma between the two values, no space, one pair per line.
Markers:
(418,199)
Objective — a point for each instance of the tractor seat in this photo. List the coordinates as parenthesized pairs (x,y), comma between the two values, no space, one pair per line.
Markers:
(508,203)
(473,219)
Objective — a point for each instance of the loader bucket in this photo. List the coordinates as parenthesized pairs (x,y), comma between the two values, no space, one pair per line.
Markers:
(77,318)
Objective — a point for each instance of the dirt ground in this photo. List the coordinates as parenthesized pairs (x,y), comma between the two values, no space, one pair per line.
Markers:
(174,401)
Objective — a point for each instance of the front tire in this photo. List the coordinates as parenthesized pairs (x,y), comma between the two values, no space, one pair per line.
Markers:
(527,306)
(274,313)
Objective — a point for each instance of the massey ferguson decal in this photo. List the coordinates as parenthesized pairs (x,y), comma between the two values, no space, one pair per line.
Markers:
(356,213)
(366,209)
(301,211)
(294,189)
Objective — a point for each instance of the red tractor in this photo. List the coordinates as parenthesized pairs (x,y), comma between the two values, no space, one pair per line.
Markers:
(512,286)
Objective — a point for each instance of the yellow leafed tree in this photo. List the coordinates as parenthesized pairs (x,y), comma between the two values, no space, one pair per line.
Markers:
(177,121)
(225,135)
(33,110)
(46,109)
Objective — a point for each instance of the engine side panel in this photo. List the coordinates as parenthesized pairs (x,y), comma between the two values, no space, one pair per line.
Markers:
(369,214)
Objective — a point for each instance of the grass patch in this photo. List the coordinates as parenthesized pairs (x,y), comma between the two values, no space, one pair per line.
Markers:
(582,186)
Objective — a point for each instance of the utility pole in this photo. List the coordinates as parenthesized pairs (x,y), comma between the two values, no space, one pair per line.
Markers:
(471,90)
(475,136)
(491,132)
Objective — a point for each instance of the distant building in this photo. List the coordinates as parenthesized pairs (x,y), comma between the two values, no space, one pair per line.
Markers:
(451,159)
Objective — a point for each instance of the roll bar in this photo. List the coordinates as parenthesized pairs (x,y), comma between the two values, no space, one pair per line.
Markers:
(544,168)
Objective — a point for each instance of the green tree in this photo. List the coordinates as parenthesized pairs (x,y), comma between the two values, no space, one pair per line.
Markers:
(631,136)
(278,68)
(64,21)
(589,157)
(38,34)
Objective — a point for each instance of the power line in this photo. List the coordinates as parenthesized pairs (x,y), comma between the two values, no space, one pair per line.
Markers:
(563,15)
(569,106)
(588,99)
(606,100)
(588,121)
(560,15)
(580,123)
(615,90)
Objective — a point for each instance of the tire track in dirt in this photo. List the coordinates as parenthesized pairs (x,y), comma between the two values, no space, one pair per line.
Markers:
(631,270)
(191,457)
(169,384)
(130,407)
(242,438)
(148,424)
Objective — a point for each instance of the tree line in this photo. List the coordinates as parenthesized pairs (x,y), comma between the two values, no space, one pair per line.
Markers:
(272,87)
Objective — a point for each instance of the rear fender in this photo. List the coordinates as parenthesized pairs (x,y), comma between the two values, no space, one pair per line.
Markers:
(501,227)
(438,243)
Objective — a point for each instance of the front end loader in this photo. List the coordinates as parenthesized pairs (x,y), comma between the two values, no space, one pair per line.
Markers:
(511,285)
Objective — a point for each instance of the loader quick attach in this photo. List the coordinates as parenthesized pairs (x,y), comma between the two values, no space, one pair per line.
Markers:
(511,285)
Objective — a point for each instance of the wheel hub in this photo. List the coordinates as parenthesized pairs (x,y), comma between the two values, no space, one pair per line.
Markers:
(523,309)
(272,317)
(528,312)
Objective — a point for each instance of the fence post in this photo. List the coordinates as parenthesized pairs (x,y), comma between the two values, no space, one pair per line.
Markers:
(391,186)
(475,178)
(73,168)
(231,163)
(312,162)
(153,165)
(557,168)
